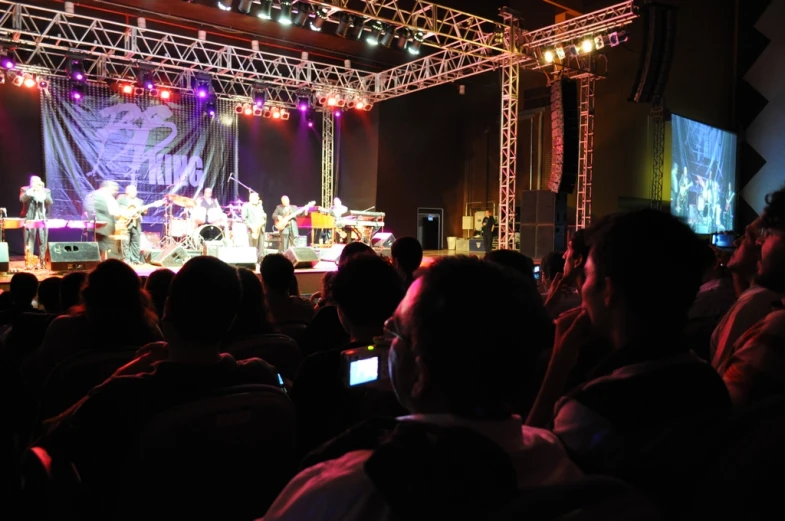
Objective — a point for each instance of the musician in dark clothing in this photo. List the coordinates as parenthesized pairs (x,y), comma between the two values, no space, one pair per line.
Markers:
(290,231)
(488,227)
(36,201)
(133,209)
(102,206)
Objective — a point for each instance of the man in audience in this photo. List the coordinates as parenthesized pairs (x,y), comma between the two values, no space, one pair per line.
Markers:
(550,266)
(754,300)
(109,419)
(406,256)
(451,377)
(565,290)
(24,287)
(756,369)
(514,260)
(652,383)
(277,274)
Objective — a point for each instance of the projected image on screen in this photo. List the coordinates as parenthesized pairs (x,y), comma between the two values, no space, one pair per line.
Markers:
(703,176)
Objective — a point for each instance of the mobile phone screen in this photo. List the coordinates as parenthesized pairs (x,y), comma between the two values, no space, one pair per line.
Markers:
(363,371)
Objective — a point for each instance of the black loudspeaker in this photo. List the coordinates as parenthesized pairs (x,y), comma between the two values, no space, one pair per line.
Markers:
(73,256)
(210,248)
(543,222)
(4,260)
(171,257)
(659,36)
(238,256)
(302,257)
(382,240)
(565,130)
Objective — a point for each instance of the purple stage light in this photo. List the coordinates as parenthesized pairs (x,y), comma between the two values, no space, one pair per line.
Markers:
(303,107)
(310,124)
(201,93)
(8,63)
(76,95)
(79,76)
(337,113)
(149,85)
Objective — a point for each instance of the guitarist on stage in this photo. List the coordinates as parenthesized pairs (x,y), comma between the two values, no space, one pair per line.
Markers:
(132,209)
(285,222)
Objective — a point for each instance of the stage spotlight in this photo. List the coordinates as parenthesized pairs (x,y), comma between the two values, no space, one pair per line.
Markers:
(8,62)
(257,111)
(266,10)
(376,32)
(574,51)
(18,80)
(165,94)
(238,109)
(560,53)
(77,91)
(276,113)
(285,16)
(43,84)
(368,106)
(225,5)
(266,113)
(332,100)
(359,105)
(202,90)
(319,19)
(303,10)
(358,29)
(245,6)
(387,37)
(338,113)
(146,79)
(549,57)
(351,103)
(303,103)
(344,24)
(284,115)
(76,69)
(210,108)
(309,120)
(322,98)
(259,98)
(587,45)
(403,39)
(29,81)
(247,109)
(127,89)
(617,38)
(416,44)
(599,42)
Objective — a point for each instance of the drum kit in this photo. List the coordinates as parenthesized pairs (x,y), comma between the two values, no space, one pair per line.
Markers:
(193,225)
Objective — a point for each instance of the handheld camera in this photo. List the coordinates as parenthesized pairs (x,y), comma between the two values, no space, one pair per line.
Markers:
(364,365)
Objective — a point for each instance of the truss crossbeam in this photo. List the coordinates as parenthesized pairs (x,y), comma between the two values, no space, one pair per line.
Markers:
(586,158)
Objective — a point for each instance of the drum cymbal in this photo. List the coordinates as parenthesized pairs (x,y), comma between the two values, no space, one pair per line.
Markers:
(181,200)
(232,207)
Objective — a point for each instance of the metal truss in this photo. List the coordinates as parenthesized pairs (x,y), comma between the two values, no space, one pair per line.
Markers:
(328,158)
(586,157)
(658,154)
(509,149)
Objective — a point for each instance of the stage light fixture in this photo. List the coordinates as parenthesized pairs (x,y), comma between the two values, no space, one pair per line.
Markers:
(18,80)
(359,105)
(43,84)
(599,42)
(29,81)
(266,113)
(617,38)
(138,91)
(587,45)
(203,87)
(416,44)
(165,94)
(75,69)
(376,32)
(549,57)
(574,51)
(210,107)
(351,103)
(303,103)
(127,88)
(247,109)
(319,19)
(259,98)
(2,79)
(344,24)
(266,10)
(332,100)
(338,113)
(238,109)
(358,29)
(276,113)
(77,90)
(284,115)
(8,62)
(387,37)
(309,120)
(403,39)
(285,16)
(368,106)
(303,12)
(321,98)
(560,53)
(257,111)
(245,6)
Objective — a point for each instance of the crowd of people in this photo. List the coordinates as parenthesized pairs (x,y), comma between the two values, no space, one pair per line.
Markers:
(638,378)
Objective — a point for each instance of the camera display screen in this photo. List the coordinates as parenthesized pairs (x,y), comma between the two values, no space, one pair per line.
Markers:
(363,371)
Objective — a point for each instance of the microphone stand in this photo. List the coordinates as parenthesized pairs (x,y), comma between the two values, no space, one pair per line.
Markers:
(232,178)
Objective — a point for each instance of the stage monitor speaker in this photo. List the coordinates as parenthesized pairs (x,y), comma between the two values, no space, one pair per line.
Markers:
(659,35)
(239,256)
(4,259)
(73,256)
(172,256)
(382,240)
(565,130)
(302,257)
(210,248)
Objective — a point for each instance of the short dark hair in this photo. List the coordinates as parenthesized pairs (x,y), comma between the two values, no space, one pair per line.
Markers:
(580,245)
(513,260)
(774,213)
(352,249)
(552,264)
(407,252)
(480,356)
(654,259)
(367,289)
(23,288)
(277,272)
(49,294)
(202,284)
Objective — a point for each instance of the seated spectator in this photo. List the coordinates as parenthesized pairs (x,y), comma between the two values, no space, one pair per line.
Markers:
(23,288)
(564,292)
(550,265)
(756,369)
(116,314)
(277,274)
(325,331)
(49,295)
(457,378)
(253,317)
(109,419)
(157,286)
(652,382)
(353,249)
(514,260)
(71,290)
(754,300)
(406,255)
(366,290)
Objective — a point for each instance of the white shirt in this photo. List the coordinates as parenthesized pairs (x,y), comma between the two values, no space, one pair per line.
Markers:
(340,490)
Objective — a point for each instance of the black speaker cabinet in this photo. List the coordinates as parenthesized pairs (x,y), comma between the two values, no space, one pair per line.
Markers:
(171,257)
(4,260)
(73,256)
(302,257)
(238,256)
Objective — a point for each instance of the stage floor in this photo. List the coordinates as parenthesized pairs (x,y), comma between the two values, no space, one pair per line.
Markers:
(309,280)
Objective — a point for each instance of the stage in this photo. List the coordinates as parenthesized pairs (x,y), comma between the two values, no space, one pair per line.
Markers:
(309,279)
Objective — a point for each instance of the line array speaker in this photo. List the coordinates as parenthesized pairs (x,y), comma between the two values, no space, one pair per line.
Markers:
(659,36)
(565,129)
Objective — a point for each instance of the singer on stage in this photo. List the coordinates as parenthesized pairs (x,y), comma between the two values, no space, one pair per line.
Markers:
(36,200)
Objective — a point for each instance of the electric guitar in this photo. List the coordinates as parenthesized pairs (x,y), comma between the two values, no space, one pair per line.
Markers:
(283,220)
(131,214)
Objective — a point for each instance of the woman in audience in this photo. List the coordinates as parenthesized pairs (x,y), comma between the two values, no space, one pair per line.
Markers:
(157,286)
(254,317)
(71,290)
